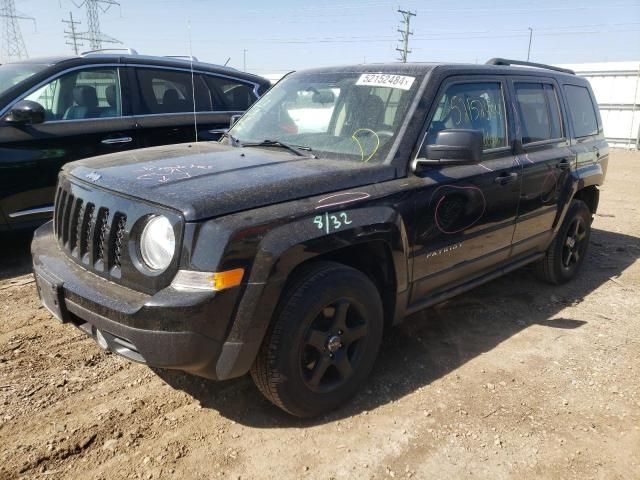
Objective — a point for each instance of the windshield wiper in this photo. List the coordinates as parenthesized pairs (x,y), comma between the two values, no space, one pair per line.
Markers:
(300,150)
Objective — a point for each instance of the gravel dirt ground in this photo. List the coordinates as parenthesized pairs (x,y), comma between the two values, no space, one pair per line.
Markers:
(515,379)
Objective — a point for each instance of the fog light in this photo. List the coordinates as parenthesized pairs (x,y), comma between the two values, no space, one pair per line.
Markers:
(188,280)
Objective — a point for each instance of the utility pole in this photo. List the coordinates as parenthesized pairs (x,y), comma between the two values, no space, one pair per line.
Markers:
(244,59)
(405,32)
(529,49)
(13,47)
(72,34)
(94,36)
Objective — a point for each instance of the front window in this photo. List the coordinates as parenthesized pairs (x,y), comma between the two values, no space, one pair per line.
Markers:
(81,95)
(346,116)
(472,106)
(12,74)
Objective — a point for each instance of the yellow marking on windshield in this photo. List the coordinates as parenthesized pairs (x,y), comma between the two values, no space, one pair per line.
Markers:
(355,138)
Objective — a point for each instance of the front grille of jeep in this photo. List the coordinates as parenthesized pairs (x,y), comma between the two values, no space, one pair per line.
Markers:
(90,233)
(94,227)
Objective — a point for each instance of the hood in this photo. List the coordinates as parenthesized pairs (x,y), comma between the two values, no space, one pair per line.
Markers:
(204,180)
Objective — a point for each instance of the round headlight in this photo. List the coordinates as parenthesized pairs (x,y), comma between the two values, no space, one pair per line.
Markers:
(157,243)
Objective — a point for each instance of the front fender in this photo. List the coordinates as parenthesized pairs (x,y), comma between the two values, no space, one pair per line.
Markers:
(289,245)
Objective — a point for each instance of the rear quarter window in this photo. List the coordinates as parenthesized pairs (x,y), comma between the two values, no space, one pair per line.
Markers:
(582,110)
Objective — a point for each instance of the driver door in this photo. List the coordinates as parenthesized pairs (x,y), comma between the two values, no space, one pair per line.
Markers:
(84,118)
(466,213)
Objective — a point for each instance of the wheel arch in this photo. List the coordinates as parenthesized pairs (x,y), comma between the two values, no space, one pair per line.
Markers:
(589,195)
(379,238)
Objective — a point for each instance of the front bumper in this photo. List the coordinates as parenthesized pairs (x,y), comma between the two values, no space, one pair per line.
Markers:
(169,329)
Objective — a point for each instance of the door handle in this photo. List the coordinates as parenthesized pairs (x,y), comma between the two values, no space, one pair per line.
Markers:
(564,164)
(113,141)
(506,178)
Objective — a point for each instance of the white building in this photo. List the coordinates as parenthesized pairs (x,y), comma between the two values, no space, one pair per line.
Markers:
(617,89)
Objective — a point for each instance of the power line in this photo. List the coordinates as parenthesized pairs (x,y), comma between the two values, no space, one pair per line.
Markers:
(406,19)
(72,34)
(13,46)
(94,35)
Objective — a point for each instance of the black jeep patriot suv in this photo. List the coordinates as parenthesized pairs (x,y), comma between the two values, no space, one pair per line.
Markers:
(343,200)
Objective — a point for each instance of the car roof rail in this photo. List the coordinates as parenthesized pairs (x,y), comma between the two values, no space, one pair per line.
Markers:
(128,51)
(505,61)
(191,58)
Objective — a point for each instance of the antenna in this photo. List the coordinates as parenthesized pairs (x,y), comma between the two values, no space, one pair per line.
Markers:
(406,19)
(72,34)
(94,36)
(13,46)
(193,85)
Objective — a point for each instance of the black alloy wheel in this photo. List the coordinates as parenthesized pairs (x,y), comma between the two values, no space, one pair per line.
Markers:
(333,346)
(323,340)
(567,251)
(574,243)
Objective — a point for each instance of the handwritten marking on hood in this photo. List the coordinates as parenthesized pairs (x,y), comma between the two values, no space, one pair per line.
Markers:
(341,198)
(166,174)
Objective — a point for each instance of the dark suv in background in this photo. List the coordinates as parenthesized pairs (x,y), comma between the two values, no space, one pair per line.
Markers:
(56,110)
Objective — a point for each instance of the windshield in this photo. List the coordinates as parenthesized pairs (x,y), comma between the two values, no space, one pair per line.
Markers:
(350,116)
(13,73)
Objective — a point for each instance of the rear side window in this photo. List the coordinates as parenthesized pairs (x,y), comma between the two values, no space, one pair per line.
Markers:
(169,91)
(230,95)
(538,112)
(582,110)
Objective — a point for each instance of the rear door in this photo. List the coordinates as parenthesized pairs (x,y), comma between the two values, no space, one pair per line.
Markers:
(177,106)
(86,115)
(547,162)
(465,215)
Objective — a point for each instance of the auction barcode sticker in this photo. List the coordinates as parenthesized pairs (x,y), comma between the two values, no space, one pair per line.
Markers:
(402,82)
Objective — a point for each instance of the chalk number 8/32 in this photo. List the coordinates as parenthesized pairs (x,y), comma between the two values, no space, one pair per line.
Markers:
(331,222)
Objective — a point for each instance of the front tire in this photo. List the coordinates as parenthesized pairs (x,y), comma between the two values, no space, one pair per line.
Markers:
(323,341)
(567,252)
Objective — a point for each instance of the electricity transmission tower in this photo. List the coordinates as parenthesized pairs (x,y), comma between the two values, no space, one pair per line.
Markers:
(405,32)
(13,46)
(94,36)
(72,34)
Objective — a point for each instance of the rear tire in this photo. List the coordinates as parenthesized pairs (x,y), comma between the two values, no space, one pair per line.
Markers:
(567,252)
(323,341)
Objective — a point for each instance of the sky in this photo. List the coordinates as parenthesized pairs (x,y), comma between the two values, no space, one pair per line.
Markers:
(281,35)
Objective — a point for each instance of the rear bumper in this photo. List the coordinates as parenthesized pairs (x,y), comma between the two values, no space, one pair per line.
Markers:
(169,329)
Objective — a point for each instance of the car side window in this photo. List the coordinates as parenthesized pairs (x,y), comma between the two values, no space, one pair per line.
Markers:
(582,111)
(474,106)
(79,95)
(231,95)
(538,112)
(170,91)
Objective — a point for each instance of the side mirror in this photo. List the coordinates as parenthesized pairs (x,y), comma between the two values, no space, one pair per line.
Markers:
(453,147)
(26,112)
(234,119)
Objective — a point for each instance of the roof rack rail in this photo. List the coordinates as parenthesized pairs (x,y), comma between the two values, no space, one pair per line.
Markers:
(191,58)
(129,51)
(505,61)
